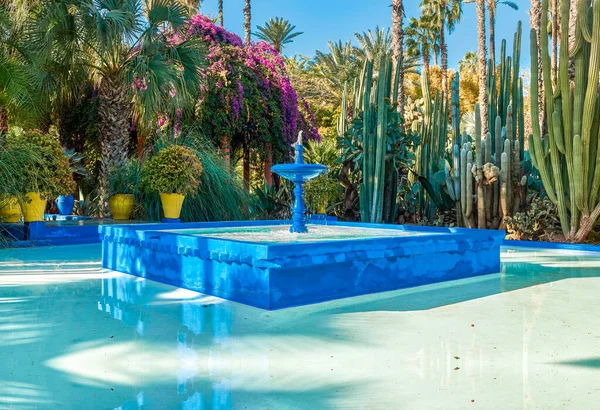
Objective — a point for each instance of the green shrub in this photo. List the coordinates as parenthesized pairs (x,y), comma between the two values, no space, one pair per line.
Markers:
(174,170)
(220,197)
(540,221)
(322,193)
(126,178)
(47,170)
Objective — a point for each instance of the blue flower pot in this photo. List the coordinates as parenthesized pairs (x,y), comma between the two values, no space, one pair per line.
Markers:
(65,204)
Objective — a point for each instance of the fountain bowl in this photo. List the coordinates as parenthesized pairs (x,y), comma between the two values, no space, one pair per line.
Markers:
(295,172)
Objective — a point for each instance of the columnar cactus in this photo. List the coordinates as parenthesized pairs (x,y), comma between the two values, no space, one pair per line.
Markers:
(571,146)
(378,119)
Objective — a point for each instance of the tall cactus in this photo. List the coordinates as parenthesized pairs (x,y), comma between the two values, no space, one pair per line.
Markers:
(438,188)
(373,99)
(571,151)
(497,187)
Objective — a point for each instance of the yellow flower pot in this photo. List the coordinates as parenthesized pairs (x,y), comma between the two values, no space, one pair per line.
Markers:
(34,207)
(121,206)
(172,204)
(10,210)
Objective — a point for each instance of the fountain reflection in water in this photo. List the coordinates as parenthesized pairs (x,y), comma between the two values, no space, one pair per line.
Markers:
(299,173)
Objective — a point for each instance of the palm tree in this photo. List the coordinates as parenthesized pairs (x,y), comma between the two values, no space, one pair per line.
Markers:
(421,39)
(373,44)
(445,14)
(337,66)
(221,13)
(482,74)
(398,47)
(19,84)
(491,6)
(468,63)
(247,22)
(277,32)
(193,6)
(121,49)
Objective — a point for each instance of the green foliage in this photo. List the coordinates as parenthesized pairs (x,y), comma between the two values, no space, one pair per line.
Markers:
(174,170)
(277,32)
(539,222)
(125,179)
(220,195)
(325,152)
(322,193)
(274,203)
(121,40)
(51,174)
(375,149)
(567,158)
(496,173)
(20,84)
(17,160)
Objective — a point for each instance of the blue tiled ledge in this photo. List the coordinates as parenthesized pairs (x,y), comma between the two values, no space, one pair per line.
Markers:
(554,245)
(279,275)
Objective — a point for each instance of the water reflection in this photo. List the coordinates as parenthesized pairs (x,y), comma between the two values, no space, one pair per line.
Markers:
(190,322)
(72,339)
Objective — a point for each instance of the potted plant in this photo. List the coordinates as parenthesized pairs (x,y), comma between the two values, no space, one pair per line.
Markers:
(174,173)
(13,162)
(123,184)
(10,209)
(47,174)
(65,203)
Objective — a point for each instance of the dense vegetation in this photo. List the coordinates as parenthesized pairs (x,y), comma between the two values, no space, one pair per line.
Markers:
(407,138)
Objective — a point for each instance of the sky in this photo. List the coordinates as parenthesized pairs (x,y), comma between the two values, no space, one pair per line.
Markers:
(324,20)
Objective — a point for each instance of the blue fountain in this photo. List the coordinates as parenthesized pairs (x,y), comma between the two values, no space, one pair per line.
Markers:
(299,173)
(261,264)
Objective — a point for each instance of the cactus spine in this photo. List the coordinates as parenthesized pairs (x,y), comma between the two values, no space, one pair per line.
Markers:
(570,152)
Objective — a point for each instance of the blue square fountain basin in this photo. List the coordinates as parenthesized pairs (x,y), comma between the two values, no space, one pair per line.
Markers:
(259,263)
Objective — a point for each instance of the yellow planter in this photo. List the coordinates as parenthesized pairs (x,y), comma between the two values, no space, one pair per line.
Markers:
(121,206)
(172,204)
(34,207)
(10,210)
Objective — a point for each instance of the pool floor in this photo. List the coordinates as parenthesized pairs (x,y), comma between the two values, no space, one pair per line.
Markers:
(73,336)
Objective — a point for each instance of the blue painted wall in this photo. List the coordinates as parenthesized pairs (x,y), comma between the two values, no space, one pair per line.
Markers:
(273,276)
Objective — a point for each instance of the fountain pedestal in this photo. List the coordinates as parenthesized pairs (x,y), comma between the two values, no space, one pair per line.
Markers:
(299,173)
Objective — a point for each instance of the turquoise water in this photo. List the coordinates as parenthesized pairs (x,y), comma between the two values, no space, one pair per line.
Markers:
(281,233)
(73,336)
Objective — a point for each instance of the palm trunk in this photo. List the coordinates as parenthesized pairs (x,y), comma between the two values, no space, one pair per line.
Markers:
(555,29)
(572,22)
(247,22)
(492,11)
(114,111)
(226,150)
(3,121)
(426,62)
(246,159)
(268,165)
(444,55)
(397,45)
(572,26)
(482,57)
(221,13)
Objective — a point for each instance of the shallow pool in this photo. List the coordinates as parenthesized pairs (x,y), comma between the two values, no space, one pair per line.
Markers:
(73,336)
(281,233)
